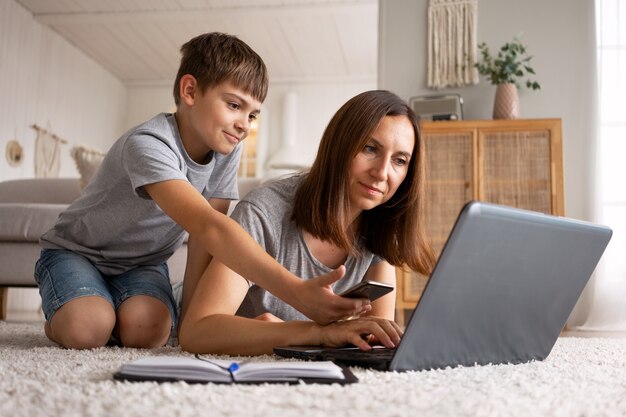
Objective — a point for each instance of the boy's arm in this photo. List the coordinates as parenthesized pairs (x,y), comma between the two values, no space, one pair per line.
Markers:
(227,241)
(210,325)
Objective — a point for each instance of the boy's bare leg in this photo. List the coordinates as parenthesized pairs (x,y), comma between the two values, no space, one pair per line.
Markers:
(83,323)
(143,322)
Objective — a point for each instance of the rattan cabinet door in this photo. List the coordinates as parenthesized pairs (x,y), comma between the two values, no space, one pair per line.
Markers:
(450,183)
(516,169)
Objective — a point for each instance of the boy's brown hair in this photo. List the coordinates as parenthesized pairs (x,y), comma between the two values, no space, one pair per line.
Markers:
(214,58)
(393,230)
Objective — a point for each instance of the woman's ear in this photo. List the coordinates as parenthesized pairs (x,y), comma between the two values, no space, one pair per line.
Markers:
(188,89)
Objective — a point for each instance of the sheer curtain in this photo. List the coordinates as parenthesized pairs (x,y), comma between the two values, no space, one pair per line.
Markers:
(608,310)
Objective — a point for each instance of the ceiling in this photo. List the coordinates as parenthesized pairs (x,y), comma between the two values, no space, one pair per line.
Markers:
(138,41)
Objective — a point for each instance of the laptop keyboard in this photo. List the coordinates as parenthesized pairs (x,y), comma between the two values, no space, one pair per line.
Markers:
(379,352)
(374,354)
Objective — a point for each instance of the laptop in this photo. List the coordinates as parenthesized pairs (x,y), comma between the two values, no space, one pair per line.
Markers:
(502,290)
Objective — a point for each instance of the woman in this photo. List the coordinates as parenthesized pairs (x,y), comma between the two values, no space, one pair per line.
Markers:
(360,206)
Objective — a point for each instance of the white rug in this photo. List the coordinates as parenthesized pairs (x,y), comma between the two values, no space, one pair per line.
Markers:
(581,377)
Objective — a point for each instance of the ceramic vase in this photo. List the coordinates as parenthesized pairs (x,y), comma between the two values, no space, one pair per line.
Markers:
(506,103)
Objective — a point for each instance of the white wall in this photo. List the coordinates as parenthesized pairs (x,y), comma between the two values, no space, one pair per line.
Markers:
(146,101)
(46,81)
(559,34)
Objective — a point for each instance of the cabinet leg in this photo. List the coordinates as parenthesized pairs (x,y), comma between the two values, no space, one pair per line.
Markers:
(4,291)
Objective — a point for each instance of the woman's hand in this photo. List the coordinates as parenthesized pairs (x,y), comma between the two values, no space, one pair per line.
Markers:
(362,332)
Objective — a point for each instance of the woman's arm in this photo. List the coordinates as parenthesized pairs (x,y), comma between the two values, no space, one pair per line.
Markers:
(227,241)
(385,306)
(209,325)
(198,258)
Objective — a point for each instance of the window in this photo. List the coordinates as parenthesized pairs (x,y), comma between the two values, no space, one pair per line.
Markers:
(247,166)
(611,186)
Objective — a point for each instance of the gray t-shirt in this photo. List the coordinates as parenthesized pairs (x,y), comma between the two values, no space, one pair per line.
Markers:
(265,213)
(115,223)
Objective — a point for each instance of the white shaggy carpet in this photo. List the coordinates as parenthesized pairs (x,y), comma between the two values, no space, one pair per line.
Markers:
(581,377)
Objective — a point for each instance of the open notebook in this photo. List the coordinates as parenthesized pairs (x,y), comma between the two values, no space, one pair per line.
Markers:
(501,292)
(203,368)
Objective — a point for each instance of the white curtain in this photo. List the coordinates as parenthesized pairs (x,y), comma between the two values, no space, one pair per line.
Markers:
(608,309)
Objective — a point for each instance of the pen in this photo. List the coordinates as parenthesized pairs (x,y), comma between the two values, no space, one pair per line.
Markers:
(233,367)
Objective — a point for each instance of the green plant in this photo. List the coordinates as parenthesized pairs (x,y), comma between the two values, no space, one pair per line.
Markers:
(509,66)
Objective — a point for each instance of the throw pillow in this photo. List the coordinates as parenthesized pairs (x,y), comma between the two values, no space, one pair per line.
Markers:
(87,162)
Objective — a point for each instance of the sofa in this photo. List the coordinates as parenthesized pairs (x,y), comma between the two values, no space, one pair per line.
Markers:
(29,207)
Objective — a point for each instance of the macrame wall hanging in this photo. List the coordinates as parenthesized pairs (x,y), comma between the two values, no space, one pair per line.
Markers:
(47,153)
(452,49)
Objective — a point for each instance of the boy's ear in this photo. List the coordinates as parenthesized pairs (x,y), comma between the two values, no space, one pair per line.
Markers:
(188,88)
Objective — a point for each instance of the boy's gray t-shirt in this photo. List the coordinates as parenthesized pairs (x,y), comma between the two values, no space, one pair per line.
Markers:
(115,223)
(265,213)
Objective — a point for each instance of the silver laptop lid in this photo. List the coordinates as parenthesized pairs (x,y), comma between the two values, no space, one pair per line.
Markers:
(502,289)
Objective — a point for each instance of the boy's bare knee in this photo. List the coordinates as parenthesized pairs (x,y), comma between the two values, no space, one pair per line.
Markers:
(149,333)
(143,322)
(85,337)
(84,323)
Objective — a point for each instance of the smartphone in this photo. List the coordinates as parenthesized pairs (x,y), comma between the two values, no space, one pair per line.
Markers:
(368,289)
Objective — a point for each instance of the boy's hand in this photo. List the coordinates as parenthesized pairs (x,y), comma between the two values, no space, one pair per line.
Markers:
(315,299)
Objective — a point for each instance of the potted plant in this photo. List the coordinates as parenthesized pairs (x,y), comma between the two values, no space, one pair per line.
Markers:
(506,70)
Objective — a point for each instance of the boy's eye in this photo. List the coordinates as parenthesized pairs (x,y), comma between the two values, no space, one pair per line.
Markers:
(253,117)
(234,106)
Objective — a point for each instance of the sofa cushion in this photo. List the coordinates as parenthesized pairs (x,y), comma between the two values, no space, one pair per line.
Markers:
(25,222)
(17,263)
(87,160)
(40,190)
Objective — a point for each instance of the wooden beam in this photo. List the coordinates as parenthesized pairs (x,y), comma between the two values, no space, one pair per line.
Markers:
(201,14)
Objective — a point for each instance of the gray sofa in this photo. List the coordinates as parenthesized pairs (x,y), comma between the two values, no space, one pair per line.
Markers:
(29,207)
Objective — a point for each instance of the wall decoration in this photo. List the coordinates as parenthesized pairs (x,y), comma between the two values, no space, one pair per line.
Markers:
(47,153)
(452,43)
(14,153)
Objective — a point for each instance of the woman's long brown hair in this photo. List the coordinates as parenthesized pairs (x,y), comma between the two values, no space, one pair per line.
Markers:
(394,230)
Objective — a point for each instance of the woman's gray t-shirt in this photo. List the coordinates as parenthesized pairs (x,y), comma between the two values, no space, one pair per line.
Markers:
(265,213)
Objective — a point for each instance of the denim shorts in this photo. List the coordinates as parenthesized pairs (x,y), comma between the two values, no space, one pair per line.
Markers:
(64,275)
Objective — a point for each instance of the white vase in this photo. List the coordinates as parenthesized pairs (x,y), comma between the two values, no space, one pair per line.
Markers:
(506,102)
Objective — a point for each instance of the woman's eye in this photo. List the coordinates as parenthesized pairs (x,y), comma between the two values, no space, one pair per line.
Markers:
(401,161)
(369,149)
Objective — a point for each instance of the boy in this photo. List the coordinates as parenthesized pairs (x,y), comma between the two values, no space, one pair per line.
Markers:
(103,271)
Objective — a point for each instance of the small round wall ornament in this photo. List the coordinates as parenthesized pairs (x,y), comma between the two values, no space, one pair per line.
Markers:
(14,153)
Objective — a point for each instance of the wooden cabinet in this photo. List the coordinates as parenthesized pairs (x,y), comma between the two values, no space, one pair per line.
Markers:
(512,162)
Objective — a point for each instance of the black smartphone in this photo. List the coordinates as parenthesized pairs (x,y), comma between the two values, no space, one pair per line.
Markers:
(368,289)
